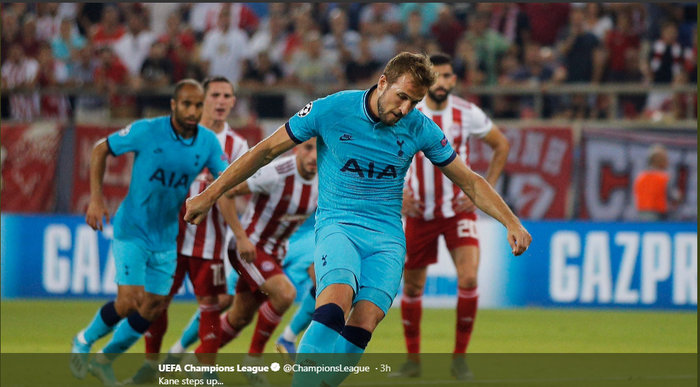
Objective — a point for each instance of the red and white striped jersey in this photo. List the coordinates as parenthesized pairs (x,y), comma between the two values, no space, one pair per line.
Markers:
(459,120)
(282,201)
(208,239)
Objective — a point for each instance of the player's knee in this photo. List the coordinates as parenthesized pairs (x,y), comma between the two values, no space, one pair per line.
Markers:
(467,281)
(239,321)
(412,289)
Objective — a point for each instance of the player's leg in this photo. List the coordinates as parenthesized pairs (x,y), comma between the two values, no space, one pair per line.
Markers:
(464,248)
(281,294)
(286,343)
(338,265)
(130,263)
(379,283)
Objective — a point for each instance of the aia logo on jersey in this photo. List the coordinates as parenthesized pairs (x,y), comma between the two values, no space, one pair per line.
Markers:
(305,110)
(444,141)
(170,179)
(352,166)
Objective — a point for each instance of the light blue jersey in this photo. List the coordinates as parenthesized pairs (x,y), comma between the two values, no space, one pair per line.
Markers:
(165,165)
(362,162)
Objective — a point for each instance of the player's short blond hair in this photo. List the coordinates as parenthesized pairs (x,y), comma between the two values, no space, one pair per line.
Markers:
(417,66)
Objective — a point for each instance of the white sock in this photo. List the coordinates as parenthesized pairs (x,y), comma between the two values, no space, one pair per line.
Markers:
(177,348)
(289,335)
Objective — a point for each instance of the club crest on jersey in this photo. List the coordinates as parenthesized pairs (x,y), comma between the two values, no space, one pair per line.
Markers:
(125,131)
(267,266)
(444,141)
(305,110)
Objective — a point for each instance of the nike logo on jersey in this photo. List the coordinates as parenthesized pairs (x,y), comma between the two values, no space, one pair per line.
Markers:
(345,137)
(158,150)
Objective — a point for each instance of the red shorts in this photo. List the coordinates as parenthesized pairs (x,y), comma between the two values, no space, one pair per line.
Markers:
(422,237)
(208,276)
(253,275)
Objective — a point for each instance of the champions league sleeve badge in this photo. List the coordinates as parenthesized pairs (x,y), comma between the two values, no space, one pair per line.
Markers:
(305,110)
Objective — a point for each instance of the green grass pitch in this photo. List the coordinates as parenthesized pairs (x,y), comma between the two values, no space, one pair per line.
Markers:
(48,326)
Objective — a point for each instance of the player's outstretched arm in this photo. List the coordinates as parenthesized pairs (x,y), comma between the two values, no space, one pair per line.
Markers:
(236,173)
(227,204)
(488,200)
(98,164)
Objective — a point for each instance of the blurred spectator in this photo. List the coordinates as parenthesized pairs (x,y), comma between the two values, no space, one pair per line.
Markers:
(381,43)
(157,69)
(651,188)
(413,35)
(384,16)
(691,59)
(224,50)
(88,16)
(546,20)
(666,56)
(618,42)
(179,42)
(271,38)
(48,21)
(313,66)
(81,71)
(582,53)
(109,29)
(340,40)
(135,45)
(262,72)
(447,30)
(467,65)
(110,75)
(67,42)
(597,22)
(533,71)
(427,14)
(632,104)
(490,46)
(205,17)
(10,33)
(20,72)
(303,23)
(363,71)
(52,73)
(160,14)
(28,39)
(511,22)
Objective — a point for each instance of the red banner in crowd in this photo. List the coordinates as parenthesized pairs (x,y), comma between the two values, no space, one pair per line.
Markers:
(117,175)
(538,173)
(29,155)
(611,160)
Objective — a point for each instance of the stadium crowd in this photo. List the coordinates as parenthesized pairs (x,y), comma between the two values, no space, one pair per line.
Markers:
(321,48)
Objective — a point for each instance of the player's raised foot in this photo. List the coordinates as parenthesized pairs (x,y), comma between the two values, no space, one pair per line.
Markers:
(79,358)
(409,369)
(145,375)
(287,349)
(255,379)
(191,358)
(104,373)
(460,369)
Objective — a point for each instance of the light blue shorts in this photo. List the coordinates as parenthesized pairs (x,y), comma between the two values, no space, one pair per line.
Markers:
(231,281)
(370,262)
(137,266)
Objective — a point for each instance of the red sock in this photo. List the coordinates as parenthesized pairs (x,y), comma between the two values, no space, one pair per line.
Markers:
(411,313)
(467,300)
(209,333)
(154,334)
(268,319)
(228,333)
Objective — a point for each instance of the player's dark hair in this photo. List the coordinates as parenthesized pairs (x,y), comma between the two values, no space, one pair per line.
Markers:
(440,59)
(417,66)
(215,79)
(185,82)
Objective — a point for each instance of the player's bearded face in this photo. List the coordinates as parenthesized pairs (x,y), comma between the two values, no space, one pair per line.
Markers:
(397,100)
(445,83)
